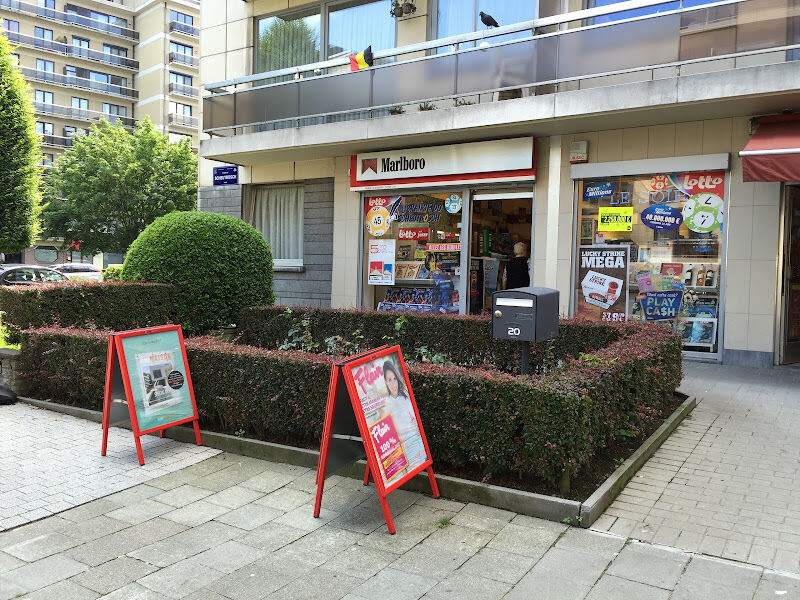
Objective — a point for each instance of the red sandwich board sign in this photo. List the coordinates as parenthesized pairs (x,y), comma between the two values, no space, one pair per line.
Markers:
(149,370)
(371,411)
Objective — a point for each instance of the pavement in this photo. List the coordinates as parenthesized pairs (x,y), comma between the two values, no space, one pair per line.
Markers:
(240,528)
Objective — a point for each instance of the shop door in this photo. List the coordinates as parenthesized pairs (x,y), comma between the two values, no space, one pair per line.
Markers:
(500,220)
(791,277)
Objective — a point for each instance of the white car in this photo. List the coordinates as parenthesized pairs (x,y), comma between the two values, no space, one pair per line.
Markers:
(79,271)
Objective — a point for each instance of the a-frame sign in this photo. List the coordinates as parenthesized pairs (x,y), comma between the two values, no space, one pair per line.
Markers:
(148,369)
(371,411)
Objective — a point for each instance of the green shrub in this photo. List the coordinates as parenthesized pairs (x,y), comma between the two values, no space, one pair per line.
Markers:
(107,305)
(218,263)
(112,273)
(465,341)
(479,422)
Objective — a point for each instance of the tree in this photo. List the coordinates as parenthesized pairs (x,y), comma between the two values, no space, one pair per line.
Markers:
(20,198)
(112,184)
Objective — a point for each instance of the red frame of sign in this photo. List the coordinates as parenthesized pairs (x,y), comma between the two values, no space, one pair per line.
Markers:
(345,369)
(115,349)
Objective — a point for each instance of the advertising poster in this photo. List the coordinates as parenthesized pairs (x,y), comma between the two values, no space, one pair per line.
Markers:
(377,217)
(603,282)
(661,306)
(381,262)
(157,378)
(612,218)
(394,432)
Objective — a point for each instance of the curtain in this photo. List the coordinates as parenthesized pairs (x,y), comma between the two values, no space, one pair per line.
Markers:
(277,212)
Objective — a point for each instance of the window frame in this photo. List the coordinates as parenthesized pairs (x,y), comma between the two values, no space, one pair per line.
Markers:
(44,95)
(47,248)
(45,33)
(179,45)
(83,42)
(7,23)
(284,264)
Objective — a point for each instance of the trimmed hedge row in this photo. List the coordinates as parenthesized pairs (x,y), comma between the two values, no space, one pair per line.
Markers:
(464,340)
(105,305)
(479,422)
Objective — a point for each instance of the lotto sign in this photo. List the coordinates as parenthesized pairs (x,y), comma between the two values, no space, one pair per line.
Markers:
(148,370)
(413,233)
(661,218)
(378,217)
(615,219)
(703,213)
(371,411)
(661,306)
(452,203)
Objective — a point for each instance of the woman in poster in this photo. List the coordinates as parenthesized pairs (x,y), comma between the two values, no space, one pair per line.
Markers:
(398,404)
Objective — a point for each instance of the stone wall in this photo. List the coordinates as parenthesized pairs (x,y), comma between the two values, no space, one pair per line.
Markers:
(8,368)
(221,199)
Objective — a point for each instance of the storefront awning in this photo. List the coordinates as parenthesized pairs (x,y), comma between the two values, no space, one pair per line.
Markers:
(773,153)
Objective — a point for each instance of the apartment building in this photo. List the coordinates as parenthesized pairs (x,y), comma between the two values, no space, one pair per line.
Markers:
(645,151)
(120,60)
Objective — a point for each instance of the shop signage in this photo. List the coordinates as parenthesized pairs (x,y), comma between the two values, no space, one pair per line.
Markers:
(662,218)
(148,369)
(475,162)
(579,152)
(452,203)
(377,217)
(226,175)
(381,262)
(703,212)
(443,248)
(598,190)
(413,233)
(603,277)
(371,411)
(661,306)
(615,219)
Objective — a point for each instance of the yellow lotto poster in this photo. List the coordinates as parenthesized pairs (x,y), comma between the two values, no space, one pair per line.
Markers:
(615,218)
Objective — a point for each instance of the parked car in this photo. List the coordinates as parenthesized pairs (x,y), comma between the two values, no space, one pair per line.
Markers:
(28,275)
(78,270)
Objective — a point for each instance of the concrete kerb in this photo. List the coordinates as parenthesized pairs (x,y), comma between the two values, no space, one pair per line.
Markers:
(462,490)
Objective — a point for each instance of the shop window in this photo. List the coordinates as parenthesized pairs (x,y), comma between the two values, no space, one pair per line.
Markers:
(277,212)
(670,227)
(76,256)
(45,254)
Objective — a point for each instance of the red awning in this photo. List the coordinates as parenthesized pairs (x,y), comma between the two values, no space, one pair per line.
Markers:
(773,153)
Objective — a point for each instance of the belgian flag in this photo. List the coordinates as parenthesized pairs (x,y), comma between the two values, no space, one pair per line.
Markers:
(362,60)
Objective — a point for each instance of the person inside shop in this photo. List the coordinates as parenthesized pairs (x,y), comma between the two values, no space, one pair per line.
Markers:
(398,404)
(516,273)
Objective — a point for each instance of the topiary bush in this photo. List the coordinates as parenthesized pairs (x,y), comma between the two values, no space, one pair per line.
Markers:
(219,264)
(111,273)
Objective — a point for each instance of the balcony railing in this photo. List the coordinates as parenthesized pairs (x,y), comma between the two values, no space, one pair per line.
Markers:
(79,82)
(178,27)
(56,141)
(549,55)
(183,59)
(70,18)
(80,114)
(69,50)
(182,120)
(184,90)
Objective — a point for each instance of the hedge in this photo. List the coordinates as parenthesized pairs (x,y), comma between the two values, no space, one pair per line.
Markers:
(464,340)
(105,305)
(479,422)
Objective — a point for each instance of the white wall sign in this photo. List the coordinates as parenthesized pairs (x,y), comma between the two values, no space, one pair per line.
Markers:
(578,152)
(495,160)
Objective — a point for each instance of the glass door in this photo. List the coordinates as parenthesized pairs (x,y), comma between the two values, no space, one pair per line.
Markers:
(791,277)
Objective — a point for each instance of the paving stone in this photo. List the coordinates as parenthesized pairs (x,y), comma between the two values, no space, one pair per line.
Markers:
(89,510)
(8,562)
(498,565)
(196,513)
(180,579)
(93,528)
(647,564)
(234,497)
(31,530)
(186,544)
(549,586)
(722,572)
(614,588)
(430,561)
(362,519)
(229,557)
(134,495)
(271,536)
(182,495)
(63,590)
(319,584)
(41,546)
(303,518)
(777,585)
(113,575)
(139,511)
(483,517)
(268,481)
(464,539)
(285,499)
(585,540)
(39,574)
(250,516)
(360,561)
(421,517)
(320,545)
(527,541)
(251,582)
(584,567)
(391,584)
(460,583)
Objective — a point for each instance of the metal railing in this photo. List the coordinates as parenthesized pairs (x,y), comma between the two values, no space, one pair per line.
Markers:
(79,82)
(182,120)
(177,26)
(552,52)
(69,50)
(183,59)
(80,114)
(69,18)
(184,90)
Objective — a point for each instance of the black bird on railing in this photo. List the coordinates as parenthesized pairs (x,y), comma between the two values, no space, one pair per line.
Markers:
(488,20)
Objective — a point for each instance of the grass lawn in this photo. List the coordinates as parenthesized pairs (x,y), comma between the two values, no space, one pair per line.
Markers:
(3,343)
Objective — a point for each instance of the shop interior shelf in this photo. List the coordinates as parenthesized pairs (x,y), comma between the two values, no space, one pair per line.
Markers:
(414,281)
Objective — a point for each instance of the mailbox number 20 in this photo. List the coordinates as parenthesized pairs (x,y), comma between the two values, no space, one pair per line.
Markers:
(513,331)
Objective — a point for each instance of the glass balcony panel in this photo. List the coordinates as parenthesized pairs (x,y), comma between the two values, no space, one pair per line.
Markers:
(218,111)
(518,64)
(411,81)
(335,93)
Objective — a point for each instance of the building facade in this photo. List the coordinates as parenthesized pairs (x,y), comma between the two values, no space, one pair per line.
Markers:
(605,138)
(119,60)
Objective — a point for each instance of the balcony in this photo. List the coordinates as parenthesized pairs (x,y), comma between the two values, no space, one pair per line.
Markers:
(69,18)
(79,82)
(184,90)
(80,114)
(69,50)
(183,120)
(182,59)
(56,141)
(178,27)
(590,51)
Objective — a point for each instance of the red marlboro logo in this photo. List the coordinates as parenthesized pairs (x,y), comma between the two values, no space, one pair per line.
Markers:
(369,163)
